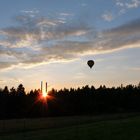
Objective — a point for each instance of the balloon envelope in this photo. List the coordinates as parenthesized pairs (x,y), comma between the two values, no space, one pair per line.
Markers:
(90,63)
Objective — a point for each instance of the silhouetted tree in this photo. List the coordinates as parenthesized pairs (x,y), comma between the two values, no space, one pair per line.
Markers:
(21,90)
(85,100)
(6,90)
(13,91)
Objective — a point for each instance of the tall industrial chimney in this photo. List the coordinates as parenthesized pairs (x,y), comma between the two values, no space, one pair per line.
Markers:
(41,86)
(46,87)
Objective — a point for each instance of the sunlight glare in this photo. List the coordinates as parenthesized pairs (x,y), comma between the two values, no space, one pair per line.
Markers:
(44,93)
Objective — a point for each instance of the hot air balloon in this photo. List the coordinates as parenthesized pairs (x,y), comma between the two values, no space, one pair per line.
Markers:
(90,63)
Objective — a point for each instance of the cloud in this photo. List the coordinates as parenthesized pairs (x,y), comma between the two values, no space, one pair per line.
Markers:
(127,5)
(84,4)
(30,11)
(133,4)
(15,80)
(1,81)
(135,69)
(119,3)
(66,14)
(4,65)
(130,28)
(79,76)
(25,41)
(124,36)
(40,40)
(107,16)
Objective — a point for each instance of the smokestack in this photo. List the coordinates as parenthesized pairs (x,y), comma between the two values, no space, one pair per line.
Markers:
(41,86)
(46,87)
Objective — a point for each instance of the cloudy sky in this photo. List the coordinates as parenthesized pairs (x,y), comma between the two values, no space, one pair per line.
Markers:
(51,40)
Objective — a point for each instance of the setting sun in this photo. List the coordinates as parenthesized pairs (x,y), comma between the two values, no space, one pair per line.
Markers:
(44,88)
(44,93)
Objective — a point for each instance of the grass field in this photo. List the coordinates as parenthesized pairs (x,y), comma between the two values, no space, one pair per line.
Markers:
(107,127)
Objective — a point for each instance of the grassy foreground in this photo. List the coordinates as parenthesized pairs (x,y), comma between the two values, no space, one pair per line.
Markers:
(115,127)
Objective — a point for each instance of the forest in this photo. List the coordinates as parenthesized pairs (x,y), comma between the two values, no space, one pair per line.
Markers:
(87,100)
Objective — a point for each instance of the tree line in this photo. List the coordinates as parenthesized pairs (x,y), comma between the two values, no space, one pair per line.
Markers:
(16,103)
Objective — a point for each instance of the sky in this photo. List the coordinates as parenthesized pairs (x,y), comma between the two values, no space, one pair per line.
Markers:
(52,40)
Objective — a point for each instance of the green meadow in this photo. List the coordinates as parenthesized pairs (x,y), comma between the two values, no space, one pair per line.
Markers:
(104,127)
